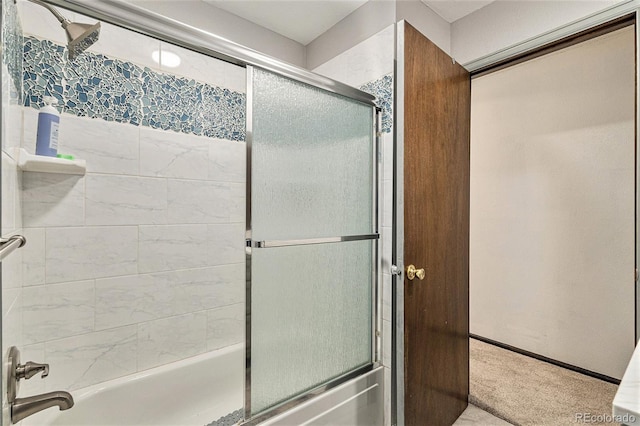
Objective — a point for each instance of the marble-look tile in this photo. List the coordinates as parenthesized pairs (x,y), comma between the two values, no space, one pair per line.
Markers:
(387,396)
(56,311)
(386,343)
(50,199)
(387,156)
(125,200)
(107,147)
(172,154)
(13,136)
(235,78)
(238,203)
(225,326)
(193,201)
(138,298)
(11,317)
(33,257)
(226,243)
(196,65)
(10,194)
(131,299)
(386,297)
(74,254)
(169,247)
(91,358)
(12,276)
(29,129)
(199,289)
(171,339)
(387,207)
(37,21)
(386,236)
(227,161)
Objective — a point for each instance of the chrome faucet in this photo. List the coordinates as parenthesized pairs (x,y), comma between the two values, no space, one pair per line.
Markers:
(24,407)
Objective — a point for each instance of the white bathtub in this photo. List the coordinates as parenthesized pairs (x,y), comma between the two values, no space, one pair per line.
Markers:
(192,392)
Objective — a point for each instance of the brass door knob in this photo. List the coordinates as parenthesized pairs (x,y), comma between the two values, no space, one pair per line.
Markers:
(412,272)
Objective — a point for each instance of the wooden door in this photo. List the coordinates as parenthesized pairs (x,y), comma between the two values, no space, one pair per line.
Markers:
(437,104)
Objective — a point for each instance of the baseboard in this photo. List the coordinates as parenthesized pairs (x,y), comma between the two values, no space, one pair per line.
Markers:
(546,359)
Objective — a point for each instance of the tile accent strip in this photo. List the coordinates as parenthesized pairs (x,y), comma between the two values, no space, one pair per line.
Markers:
(382,89)
(96,86)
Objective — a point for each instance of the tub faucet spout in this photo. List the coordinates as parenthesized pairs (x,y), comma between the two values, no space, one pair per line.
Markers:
(24,407)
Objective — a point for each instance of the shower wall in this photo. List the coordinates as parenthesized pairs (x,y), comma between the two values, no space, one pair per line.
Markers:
(140,262)
(11,220)
(369,66)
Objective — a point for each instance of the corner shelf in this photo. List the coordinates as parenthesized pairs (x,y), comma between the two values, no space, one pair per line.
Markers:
(39,163)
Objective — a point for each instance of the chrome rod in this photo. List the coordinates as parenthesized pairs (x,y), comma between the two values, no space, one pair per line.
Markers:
(8,245)
(305,242)
(136,18)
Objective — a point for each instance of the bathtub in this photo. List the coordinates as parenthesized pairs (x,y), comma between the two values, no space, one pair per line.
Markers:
(192,392)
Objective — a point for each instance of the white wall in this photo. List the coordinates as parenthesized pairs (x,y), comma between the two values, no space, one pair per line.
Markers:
(504,23)
(369,20)
(232,27)
(552,204)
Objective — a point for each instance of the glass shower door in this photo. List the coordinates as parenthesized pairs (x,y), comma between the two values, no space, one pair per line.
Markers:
(311,239)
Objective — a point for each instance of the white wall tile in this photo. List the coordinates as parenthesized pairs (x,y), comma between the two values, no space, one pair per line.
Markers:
(10,195)
(170,339)
(225,326)
(386,343)
(34,353)
(74,254)
(193,201)
(169,247)
(131,299)
(199,289)
(12,267)
(387,233)
(56,311)
(139,298)
(235,78)
(29,129)
(387,156)
(387,200)
(122,44)
(238,204)
(107,147)
(226,243)
(11,317)
(227,161)
(33,257)
(386,297)
(50,199)
(172,154)
(38,21)
(91,358)
(125,200)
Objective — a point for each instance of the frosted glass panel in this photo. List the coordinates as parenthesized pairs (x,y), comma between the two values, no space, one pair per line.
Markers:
(312,155)
(310,317)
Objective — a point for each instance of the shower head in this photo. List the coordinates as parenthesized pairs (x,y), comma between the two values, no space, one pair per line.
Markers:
(79,36)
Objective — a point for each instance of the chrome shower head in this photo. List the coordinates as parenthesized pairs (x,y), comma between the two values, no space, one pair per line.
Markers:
(79,36)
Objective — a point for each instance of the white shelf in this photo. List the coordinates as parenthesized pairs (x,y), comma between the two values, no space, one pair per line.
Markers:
(40,163)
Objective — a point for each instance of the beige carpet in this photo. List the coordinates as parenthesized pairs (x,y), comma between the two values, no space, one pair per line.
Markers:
(525,391)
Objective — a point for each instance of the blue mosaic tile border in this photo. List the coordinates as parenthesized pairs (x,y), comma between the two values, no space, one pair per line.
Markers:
(382,89)
(97,86)
(12,47)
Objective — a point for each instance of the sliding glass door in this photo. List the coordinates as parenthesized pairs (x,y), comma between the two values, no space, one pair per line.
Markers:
(311,239)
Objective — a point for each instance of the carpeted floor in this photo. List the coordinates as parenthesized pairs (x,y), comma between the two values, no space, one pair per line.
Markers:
(525,391)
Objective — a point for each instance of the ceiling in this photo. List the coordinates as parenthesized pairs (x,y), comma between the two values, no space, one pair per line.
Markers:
(299,20)
(452,10)
(304,20)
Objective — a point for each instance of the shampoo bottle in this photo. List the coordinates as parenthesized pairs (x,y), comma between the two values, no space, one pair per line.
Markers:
(48,123)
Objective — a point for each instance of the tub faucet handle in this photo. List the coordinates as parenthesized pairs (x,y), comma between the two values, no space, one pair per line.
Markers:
(30,369)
